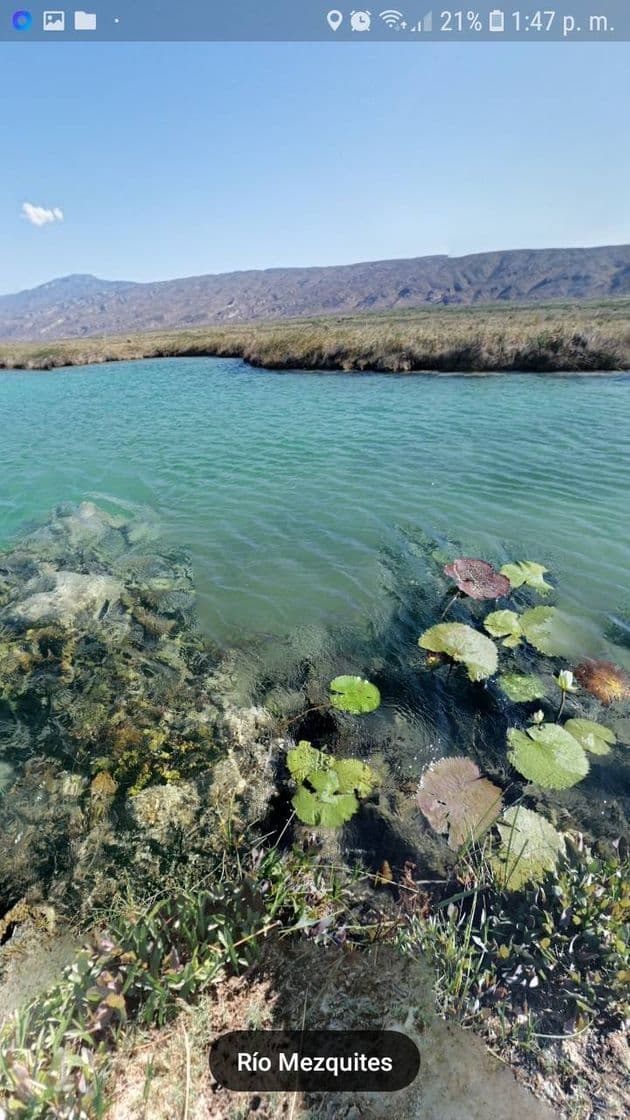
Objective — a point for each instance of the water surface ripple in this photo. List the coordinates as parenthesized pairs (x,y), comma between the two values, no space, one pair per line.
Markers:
(287,487)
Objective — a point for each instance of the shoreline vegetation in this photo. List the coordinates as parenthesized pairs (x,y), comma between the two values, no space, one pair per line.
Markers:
(553,338)
(238,855)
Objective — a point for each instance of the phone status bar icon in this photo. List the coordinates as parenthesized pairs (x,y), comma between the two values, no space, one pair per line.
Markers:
(85,21)
(54,21)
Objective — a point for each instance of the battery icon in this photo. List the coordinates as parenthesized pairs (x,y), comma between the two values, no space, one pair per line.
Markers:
(496,20)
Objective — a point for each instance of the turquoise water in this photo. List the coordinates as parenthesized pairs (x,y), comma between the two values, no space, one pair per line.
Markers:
(289,489)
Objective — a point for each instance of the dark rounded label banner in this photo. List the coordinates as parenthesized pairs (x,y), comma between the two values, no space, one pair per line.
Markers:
(314,1061)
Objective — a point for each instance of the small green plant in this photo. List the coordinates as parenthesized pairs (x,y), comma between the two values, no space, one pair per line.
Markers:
(521,688)
(529,847)
(526,573)
(457,642)
(533,626)
(354,695)
(548,755)
(328,788)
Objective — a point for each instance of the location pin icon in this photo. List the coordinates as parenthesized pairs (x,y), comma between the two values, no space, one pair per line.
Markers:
(335,19)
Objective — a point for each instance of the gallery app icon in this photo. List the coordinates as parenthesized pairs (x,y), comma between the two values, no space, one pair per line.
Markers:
(85,21)
(22,21)
(54,21)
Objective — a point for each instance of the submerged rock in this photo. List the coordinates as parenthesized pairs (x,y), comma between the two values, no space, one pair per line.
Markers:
(72,595)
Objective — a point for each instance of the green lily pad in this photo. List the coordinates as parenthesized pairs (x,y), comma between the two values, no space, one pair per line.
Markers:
(304,759)
(547,755)
(456,799)
(592,736)
(326,809)
(522,687)
(355,695)
(462,643)
(536,626)
(530,847)
(528,573)
(354,776)
(505,625)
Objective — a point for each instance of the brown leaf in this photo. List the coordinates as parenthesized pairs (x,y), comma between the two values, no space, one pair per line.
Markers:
(456,800)
(605,680)
(477,578)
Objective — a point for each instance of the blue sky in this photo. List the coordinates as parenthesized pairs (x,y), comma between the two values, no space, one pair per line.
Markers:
(175,160)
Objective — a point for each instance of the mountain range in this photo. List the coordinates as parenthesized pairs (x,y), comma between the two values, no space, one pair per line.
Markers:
(82,305)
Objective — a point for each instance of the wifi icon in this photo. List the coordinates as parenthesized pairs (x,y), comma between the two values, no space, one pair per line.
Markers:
(394,19)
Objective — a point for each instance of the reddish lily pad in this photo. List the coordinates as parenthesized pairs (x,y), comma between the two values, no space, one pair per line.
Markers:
(477,578)
(457,800)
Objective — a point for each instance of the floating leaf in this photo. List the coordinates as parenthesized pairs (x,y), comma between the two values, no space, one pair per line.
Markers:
(326,794)
(522,688)
(304,759)
(530,847)
(353,694)
(536,626)
(592,736)
(477,578)
(456,799)
(605,680)
(354,776)
(462,643)
(547,755)
(326,807)
(527,572)
(506,625)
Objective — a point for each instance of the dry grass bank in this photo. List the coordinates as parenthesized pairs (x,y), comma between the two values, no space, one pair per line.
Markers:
(542,339)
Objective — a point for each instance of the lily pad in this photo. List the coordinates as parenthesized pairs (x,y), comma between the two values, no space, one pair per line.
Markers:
(530,847)
(528,573)
(505,625)
(304,759)
(536,626)
(326,807)
(605,680)
(456,800)
(547,755)
(462,643)
(328,789)
(355,695)
(354,776)
(522,687)
(595,738)
(477,578)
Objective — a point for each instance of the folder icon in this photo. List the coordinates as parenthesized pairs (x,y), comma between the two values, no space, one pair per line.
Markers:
(85,21)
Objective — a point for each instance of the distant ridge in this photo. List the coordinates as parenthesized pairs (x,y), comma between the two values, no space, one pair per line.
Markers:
(82,305)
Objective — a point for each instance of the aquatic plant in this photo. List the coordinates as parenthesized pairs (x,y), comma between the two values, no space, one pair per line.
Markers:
(604,680)
(477,578)
(458,801)
(354,695)
(458,642)
(529,847)
(564,681)
(532,625)
(328,788)
(547,755)
(594,737)
(526,573)
(521,687)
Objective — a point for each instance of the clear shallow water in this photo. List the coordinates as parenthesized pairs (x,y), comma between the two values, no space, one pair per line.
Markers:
(289,488)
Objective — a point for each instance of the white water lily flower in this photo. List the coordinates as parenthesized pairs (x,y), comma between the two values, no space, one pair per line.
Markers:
(538,717)
(565,681)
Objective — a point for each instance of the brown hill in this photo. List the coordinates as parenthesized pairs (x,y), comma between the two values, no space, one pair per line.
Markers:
(77,306)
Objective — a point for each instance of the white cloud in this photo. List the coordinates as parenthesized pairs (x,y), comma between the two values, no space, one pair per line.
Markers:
(39,215)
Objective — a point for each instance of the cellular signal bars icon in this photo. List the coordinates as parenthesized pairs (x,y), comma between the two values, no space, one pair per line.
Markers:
(425,24)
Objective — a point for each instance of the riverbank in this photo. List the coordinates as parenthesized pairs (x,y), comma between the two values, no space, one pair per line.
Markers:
(255,847)
(587,338)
